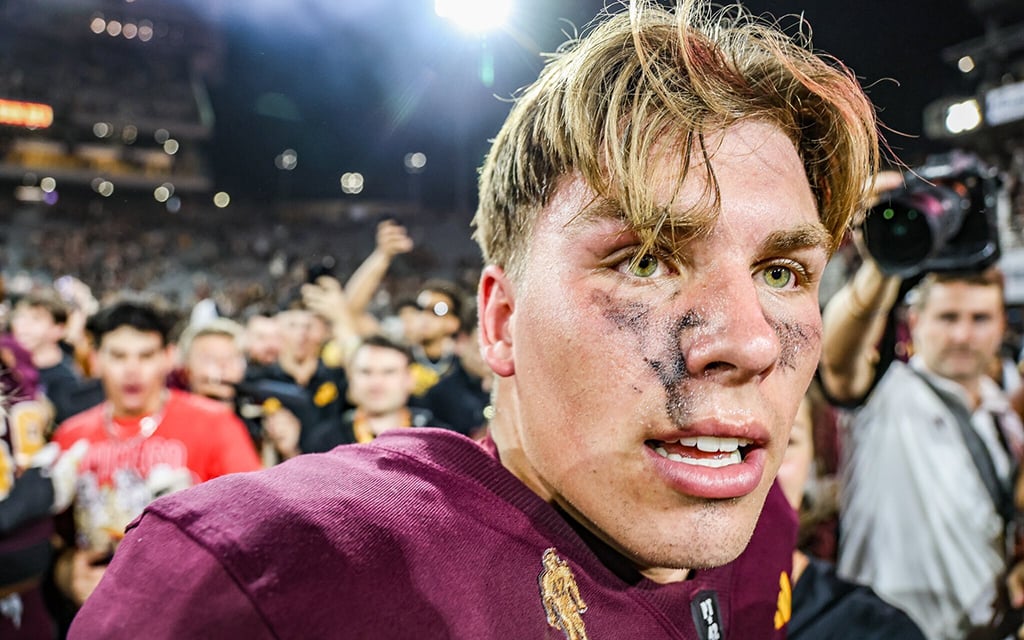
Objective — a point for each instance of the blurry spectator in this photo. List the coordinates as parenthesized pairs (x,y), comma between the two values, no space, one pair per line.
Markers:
(299,366)
(410,321)
(262,340)
(38,322)
(825,605)
(334,326)
(391,240)
(34,483)
(145,440)
(440,302)
(212,358)
(930,446)
(462,398)
(380,384)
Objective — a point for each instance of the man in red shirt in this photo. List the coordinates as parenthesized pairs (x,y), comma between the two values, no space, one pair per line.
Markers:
(145,441)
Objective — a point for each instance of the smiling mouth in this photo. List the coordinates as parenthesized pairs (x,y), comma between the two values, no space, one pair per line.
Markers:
(703,451)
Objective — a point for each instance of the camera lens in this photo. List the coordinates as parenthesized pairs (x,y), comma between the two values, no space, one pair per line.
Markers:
(909,228)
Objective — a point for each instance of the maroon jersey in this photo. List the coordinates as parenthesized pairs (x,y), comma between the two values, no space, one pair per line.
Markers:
(421,534)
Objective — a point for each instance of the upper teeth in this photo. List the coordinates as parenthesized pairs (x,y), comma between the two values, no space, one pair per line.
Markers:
(712,444)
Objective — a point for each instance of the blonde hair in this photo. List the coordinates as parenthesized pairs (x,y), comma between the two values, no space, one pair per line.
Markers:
(605,101)
(217,327)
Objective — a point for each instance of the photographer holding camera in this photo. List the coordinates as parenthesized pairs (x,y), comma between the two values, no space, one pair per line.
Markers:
(930,446)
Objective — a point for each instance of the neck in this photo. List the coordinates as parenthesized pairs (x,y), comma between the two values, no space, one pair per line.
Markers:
(437,348)
(152,406)
(300,368)
(381,422)
(46,356)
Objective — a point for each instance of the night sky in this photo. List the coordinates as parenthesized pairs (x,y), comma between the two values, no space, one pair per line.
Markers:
(354,86)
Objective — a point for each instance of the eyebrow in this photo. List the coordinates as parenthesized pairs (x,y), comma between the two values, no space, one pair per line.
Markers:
(804,236)
(808,235)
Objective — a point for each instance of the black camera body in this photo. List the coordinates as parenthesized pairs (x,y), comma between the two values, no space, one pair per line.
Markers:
(942,219)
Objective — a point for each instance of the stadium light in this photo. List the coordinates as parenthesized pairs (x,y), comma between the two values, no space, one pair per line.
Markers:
(473,15)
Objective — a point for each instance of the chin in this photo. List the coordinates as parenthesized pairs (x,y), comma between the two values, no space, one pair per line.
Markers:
(713,535)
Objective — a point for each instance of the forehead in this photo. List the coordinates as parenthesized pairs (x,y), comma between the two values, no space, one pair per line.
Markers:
(374,357)
(213,341)
(295,317)
(26,308)
(965,296)
(262,324)
(752,174)
(130,339)
(431,297)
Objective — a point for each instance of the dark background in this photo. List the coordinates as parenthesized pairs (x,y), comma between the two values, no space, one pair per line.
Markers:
(354,86)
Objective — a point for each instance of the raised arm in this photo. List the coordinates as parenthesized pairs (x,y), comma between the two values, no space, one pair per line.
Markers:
(854,321)
(392,240)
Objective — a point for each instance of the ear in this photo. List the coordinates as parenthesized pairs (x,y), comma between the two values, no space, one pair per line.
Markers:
(496,302)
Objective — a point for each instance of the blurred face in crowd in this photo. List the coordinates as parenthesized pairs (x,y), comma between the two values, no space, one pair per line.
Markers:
(262,339)
(214,363)
(958,329)
(651,395)
(133,366)
(379,380)
(412,324)
(437,318)
(472,359)
(796,464)
(301,333)
(33,327)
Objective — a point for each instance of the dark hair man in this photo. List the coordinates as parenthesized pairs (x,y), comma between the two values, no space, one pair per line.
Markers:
(145,440)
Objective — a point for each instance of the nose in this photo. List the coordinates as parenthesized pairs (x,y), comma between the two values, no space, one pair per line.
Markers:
(960,331)
(732,338)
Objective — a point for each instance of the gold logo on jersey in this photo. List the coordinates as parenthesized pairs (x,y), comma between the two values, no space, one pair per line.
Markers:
(561,596)
(785,608)
(326,394)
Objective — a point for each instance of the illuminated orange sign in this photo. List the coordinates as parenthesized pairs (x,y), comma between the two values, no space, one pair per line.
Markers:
(26,114)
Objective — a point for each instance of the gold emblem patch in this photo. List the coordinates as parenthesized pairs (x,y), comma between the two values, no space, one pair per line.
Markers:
(326,394)
(785,609)
(561,596)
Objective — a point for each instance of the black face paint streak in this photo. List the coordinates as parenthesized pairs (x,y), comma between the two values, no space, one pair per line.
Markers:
(631,316)
(672,370)
(794,337)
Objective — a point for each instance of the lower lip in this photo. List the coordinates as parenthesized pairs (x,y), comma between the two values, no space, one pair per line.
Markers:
(733,481)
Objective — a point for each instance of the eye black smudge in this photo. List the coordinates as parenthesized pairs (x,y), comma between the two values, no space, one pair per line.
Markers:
(794,337)
(631,316)
(671,370)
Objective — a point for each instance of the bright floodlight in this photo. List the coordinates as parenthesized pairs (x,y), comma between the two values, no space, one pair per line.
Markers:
(963,116)
(474,15)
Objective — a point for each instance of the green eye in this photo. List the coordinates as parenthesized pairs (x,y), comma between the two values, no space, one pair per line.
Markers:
(778,277)
(644,266)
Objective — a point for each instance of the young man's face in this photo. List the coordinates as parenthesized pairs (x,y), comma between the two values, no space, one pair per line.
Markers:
(958,331)
(214,364)
(133,366)
(300,333)
(619,375)
(34,328)
(438,316)
(379,380)
(262,339)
